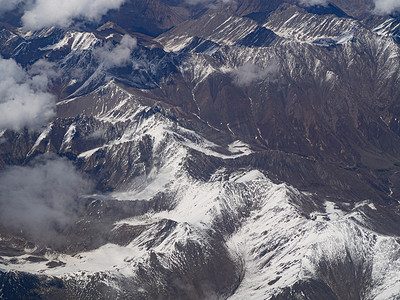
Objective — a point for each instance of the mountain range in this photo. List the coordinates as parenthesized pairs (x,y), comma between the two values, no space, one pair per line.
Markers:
(188,149)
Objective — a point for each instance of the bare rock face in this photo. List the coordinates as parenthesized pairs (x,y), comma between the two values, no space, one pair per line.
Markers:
(206,151)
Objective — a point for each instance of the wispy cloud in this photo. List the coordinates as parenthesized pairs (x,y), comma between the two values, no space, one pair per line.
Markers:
(382,7)
(208,2)
(40,200)
(249,73)
(24,100)
(386,6)
(6,5)
(116,56)
(314,2)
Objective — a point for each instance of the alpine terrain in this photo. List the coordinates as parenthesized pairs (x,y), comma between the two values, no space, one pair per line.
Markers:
(200,149)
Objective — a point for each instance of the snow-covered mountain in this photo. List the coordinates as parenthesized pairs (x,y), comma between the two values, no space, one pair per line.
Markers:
(210,150)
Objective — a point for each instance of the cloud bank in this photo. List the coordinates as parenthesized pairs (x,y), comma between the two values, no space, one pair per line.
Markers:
(248,73)
(116,56)
(39,200)
(386,6)
(61,13)
(24,100)
(39,14)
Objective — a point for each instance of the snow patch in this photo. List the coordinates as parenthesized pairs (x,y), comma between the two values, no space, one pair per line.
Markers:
(41,137)
(67,139)
(238,147)
(75,41)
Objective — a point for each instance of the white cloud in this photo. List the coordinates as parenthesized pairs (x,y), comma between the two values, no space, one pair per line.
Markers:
(314,2)
(46,13)
(42,73)
(386,6)
(39,200)
(24,100)
(249,73)
(116,56)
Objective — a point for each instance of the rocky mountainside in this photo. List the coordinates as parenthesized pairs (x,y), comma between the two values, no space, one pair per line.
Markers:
(201,150)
